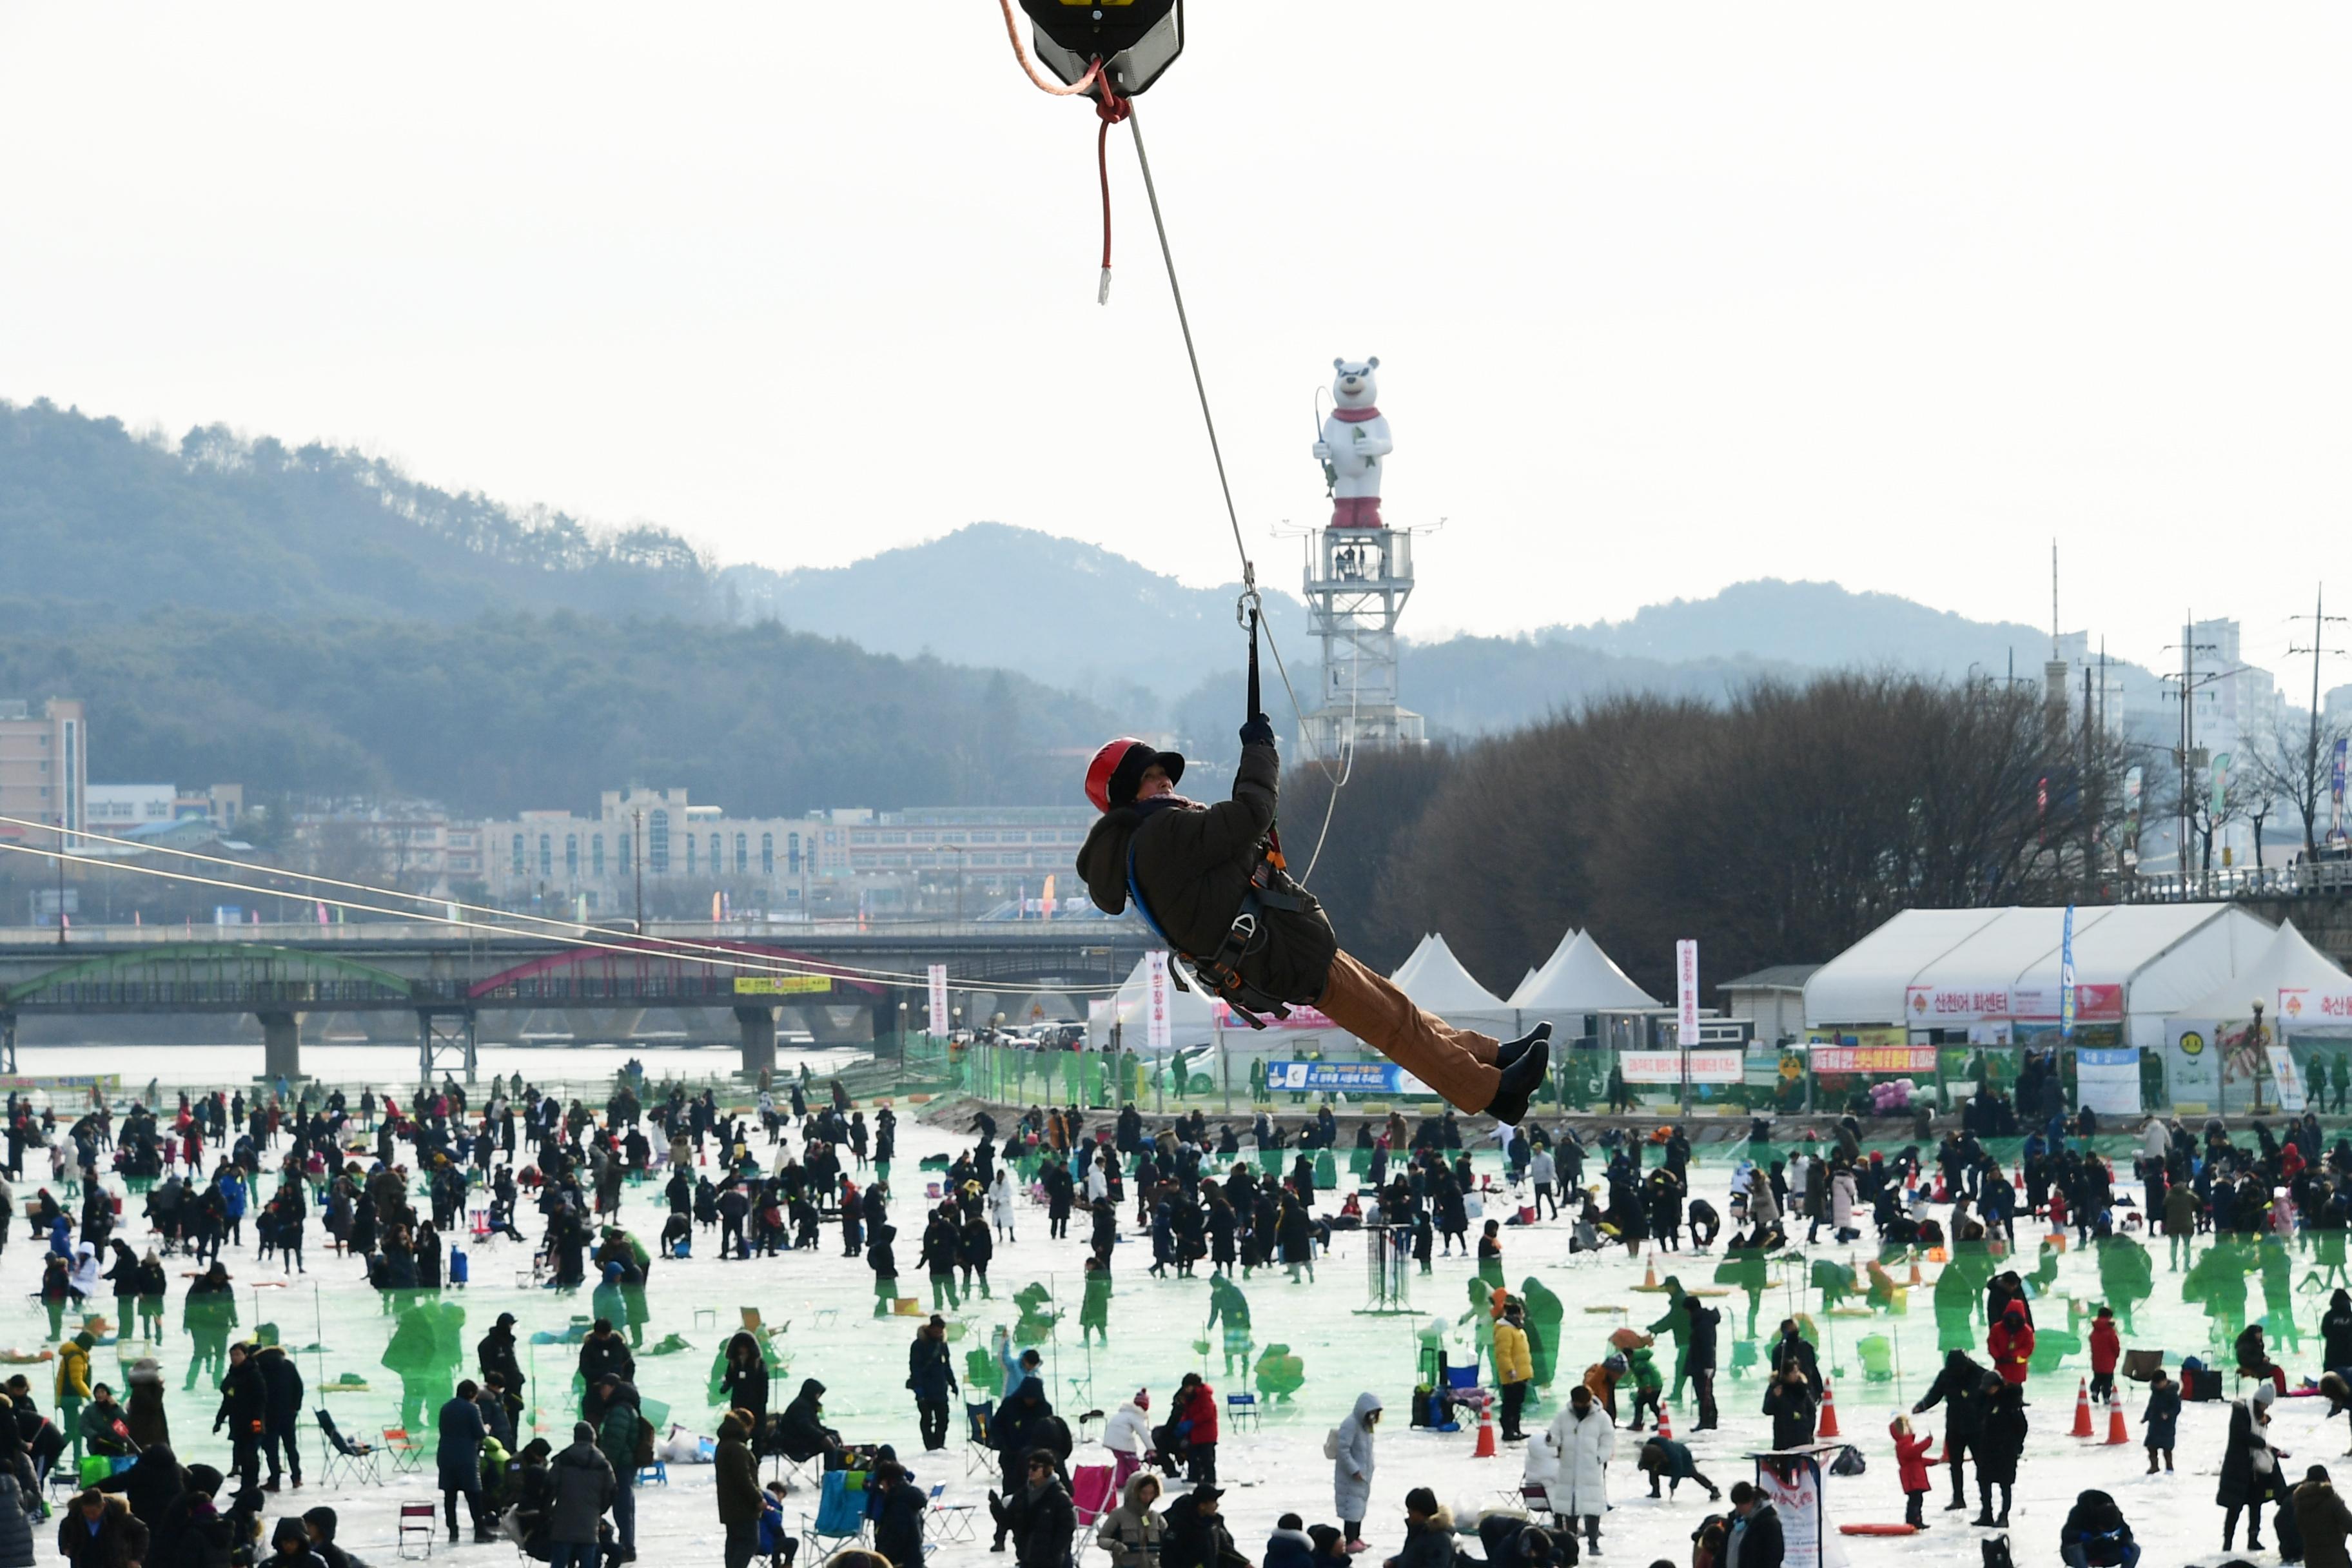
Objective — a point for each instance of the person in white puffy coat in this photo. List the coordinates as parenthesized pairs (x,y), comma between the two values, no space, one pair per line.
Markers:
(1351,1465)
(1128,1436)
(1584,1440)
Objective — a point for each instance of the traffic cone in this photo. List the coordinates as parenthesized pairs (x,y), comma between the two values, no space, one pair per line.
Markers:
(1485,1449)
(1665,1425)
(1914,1278)
(2082,1408)
(2115,1430)
(1649,1273)
(1829,1426)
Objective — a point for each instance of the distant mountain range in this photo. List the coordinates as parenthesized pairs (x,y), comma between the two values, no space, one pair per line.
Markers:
(111,543)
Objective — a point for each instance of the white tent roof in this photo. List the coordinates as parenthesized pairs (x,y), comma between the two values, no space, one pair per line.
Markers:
(1438,982)
(1403,976)
(1580,978)
(2289,962)
(2163,955)
(1528,980)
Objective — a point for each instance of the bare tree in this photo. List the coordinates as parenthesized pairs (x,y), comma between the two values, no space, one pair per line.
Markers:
(2291,759)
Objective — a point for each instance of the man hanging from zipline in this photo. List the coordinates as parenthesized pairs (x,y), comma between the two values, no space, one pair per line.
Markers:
(1209,879)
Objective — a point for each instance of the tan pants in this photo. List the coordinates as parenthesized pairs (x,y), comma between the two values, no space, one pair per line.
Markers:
(1457,1063)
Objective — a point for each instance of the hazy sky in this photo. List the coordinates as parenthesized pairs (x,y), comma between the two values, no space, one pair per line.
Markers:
(1665,295)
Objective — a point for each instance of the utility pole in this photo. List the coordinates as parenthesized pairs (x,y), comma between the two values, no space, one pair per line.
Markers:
(2319,620)
(2190,684)
(637,861)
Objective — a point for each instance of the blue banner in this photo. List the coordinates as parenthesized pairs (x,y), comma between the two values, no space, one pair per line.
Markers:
(2066,979)
(1351,1078)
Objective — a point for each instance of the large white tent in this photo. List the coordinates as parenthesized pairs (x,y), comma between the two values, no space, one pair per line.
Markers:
(1579,978)
(2134,964)
(2285,973)
(1434,978)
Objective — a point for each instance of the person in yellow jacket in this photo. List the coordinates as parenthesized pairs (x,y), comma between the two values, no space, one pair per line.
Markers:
(73,1387)
(1515,1368)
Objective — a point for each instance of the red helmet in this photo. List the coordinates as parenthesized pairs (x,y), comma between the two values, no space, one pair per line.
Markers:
(1113,777)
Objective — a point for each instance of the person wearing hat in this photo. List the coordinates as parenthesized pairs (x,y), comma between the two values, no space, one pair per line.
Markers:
(1202,870)
(584,1488)
(289,1546)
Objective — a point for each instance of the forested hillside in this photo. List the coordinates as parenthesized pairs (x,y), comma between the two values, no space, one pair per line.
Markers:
(506,712)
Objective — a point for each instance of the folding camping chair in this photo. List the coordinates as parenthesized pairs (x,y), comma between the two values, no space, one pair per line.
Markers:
(1241,1412)
(1539,1501)
(416,1524)
(979,1453)
(948,1520)
(840,1516)
(1093,1495)
(357,1459)
(407,1453)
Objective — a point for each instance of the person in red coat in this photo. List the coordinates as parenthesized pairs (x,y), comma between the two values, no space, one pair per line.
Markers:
(1911,1466)
(1196,1422)
(2011,1344)
(2106,1349)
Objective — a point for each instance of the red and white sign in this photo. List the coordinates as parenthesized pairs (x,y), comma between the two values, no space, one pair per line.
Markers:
(1666,1066)
(2301,1005)
(1686,992)
(941,1024)
(1954,1004)
(2092,1004)
(1928,1006)
(1158,1023)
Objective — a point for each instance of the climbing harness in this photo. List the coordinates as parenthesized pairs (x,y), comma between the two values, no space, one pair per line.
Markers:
(1218,973)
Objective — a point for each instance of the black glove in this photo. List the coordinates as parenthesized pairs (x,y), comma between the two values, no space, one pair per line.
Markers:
(1258,731)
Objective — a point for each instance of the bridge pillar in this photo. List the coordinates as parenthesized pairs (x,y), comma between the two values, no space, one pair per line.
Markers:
(8,1042)
(281,1046)
(759,1026)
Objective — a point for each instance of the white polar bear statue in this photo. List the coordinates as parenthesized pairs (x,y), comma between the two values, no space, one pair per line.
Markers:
(1355,439)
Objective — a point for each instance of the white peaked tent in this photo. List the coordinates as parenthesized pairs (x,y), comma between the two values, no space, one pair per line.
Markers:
(1580,978)
(1433,977)
(1405,973)
(2289,964)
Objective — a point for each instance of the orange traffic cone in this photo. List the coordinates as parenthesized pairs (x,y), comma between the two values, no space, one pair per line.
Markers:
(1914,1278)
(1829,1426)
(1649,1273)
(1665,1425)
(2117,1433)
(1485,1449)
(2082,1408)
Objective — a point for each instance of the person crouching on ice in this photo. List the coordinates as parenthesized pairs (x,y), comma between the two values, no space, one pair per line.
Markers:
(1198,869)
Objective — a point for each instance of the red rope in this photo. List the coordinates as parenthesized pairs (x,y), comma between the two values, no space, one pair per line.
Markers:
(1110,109)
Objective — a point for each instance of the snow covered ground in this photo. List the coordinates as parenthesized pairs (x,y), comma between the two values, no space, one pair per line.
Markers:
(823,1302)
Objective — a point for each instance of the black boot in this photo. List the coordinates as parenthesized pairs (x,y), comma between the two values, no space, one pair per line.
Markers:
(1520,1081)
(1510,1051)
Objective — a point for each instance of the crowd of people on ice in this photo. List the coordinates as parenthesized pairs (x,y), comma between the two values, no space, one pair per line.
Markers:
(390,1185)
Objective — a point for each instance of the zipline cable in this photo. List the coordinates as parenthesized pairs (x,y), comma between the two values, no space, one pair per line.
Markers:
(1225,487)
(682,946)
(726,958)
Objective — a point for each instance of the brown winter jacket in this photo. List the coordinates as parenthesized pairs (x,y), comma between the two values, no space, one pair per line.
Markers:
(738,1475)
(2322,1517)
(1193,864)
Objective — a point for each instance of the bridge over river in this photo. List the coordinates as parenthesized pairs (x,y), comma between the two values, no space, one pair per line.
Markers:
(443,980)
